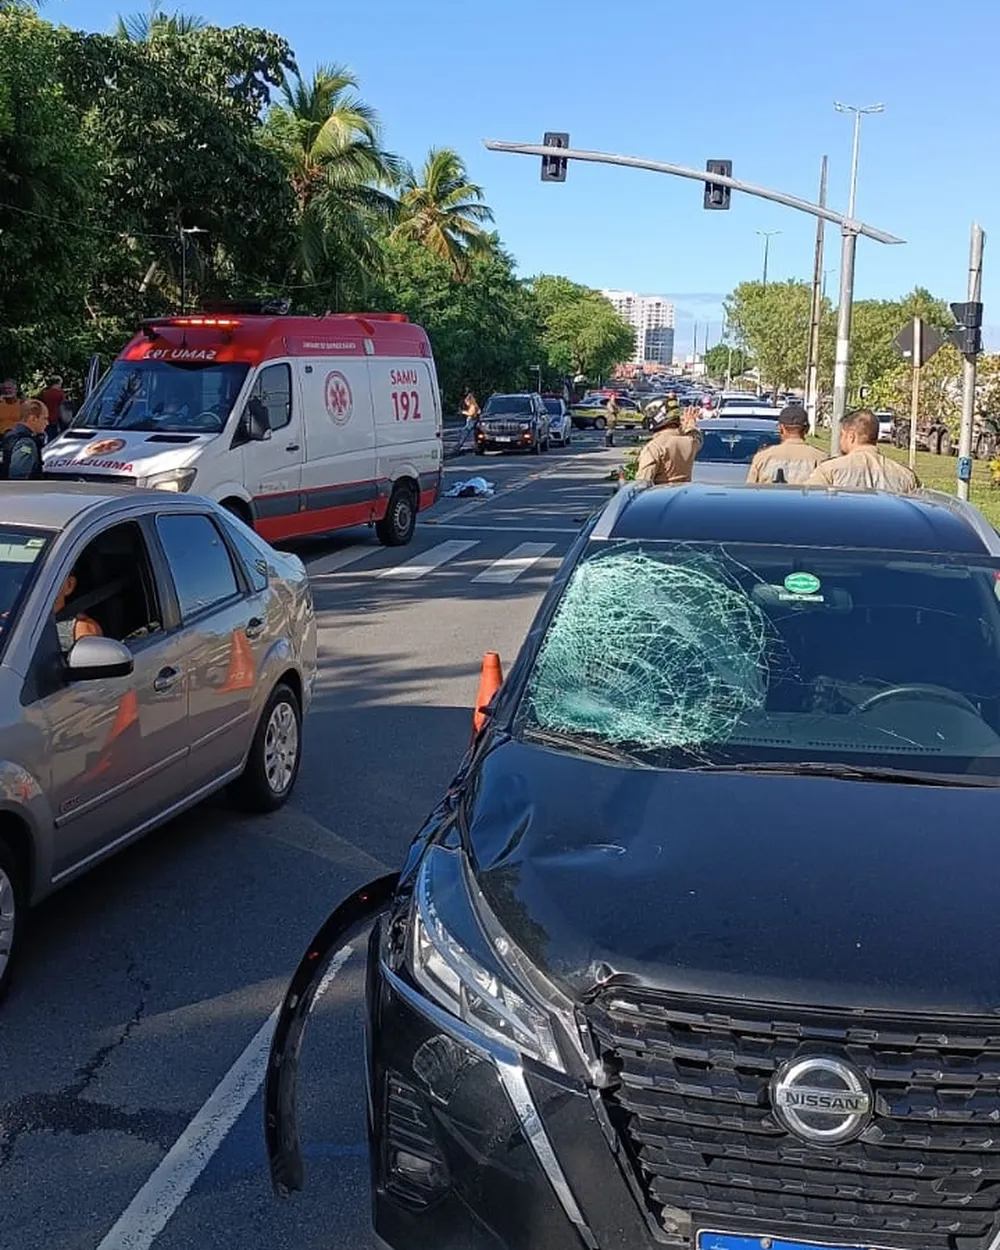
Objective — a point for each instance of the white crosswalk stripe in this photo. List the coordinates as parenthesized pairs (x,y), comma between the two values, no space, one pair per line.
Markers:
(427,561)
(510,567)
(338,560)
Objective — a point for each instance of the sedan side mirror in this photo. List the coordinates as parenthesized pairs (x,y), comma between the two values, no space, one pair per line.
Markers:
(92,658)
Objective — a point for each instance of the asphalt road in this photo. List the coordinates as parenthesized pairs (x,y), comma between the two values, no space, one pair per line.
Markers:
(132,1044)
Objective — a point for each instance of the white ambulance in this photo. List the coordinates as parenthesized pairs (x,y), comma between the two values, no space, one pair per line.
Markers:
(300,425)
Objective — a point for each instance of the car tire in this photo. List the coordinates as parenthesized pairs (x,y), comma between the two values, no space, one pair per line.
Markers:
(600,423)
(396,528)
(275,754)
(13,896)
(479,451)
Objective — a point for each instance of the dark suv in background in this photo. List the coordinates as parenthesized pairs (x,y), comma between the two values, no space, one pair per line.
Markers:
(513,423)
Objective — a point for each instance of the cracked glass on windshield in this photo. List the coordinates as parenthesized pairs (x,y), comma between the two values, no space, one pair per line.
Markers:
(159,396)
(745,654)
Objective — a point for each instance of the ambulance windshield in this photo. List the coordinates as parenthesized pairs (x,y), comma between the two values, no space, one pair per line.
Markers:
(188,398)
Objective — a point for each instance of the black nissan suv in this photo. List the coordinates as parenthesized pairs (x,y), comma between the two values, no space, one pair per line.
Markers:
(701,949)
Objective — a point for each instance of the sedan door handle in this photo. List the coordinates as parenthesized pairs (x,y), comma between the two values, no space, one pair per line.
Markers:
(254,628)
(292,447)
(165,679)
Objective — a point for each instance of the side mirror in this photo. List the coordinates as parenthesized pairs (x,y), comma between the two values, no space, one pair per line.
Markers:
(257,423)
(490,681)
(92,658)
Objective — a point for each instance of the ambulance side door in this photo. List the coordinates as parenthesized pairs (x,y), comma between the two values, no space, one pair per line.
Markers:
(407,422)
(272,466)
(339,486)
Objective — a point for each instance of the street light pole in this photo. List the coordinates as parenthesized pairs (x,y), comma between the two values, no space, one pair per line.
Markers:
(183,232)
(849,243)
(767,236)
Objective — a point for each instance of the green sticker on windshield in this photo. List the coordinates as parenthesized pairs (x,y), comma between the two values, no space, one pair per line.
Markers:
(802,583)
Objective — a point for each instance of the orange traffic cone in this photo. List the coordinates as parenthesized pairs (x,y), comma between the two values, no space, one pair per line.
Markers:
(490,681)
(241,674)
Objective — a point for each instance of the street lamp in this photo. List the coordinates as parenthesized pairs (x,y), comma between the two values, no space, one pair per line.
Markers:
(849,244)
(767,236)
(183,232)
(537,369)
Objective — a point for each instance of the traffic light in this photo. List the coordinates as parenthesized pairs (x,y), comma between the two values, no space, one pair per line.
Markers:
(716,196)
(554,169)
(966,334)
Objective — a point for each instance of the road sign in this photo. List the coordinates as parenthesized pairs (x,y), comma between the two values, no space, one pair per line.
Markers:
(554,169)
(930,341)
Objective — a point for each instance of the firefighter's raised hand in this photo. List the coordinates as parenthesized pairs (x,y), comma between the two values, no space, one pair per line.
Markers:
(689,420)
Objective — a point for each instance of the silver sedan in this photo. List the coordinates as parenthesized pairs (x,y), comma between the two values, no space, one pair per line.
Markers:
(153,649)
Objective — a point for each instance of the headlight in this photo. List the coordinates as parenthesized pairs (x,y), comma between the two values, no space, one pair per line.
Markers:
(179,480)
(471,986)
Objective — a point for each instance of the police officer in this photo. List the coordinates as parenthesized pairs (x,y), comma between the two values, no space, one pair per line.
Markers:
(862,466)
(793,459)
(611,419)
(668,457)
(21,446)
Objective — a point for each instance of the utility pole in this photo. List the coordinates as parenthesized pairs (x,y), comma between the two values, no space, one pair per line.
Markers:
(812,364)
(849,243)
(182,233)
(969,366)
(918,360)
(767,236)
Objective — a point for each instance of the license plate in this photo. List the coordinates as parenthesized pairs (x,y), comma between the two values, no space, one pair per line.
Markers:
(728,1241)
(505,438)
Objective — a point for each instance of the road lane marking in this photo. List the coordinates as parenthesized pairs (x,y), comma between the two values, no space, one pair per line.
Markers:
(510,567)
(337,560)
(429,560)
(505,529)
(157,1201)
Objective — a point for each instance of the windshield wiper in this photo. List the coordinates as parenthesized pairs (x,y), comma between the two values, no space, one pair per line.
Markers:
(581,746)
(848,772)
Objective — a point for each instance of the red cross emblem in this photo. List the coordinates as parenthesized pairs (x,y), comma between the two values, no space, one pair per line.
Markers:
(339,400)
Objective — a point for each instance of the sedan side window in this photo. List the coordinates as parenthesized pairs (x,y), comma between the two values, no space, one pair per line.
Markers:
(199,560)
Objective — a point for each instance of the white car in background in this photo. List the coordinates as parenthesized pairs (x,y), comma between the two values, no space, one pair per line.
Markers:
(560,421)
(886,424)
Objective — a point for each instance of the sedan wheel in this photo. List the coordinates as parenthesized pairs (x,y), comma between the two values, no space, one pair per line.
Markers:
(11,909)
(273,763)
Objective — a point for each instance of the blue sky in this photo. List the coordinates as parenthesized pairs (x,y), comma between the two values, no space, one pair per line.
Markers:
(754,82)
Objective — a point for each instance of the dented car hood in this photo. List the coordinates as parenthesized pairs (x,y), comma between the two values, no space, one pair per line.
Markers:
(774,888)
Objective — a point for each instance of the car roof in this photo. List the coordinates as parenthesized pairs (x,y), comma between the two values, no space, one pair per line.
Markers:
(804,517)
(53,505)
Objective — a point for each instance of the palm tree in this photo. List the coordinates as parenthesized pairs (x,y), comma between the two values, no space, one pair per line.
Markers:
(330,142)
(444,211)
(142,27)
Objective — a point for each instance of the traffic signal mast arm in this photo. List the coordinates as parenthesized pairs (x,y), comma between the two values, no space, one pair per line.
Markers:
(696,175)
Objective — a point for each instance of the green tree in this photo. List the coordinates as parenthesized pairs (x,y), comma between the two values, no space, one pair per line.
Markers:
(581,332)
(874,325)
(722,360)
(329,141)
(49,177)
(483,327)
(443,211)
(141,27)
(772,323)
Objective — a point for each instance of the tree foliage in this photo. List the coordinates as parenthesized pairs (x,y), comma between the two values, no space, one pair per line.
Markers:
(444,211)
(772,323)
(723,359)
(581,332)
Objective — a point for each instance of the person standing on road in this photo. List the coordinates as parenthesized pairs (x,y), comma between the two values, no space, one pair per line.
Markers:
(793,458)
(53,397)
(611,419)
(10,405)
(861,466)
(21,446)
(668,457)
(470,408)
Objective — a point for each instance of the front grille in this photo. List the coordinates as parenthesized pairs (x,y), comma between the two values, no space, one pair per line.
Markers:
(690,1103)
(416,1172)
(504,427)
(106,478)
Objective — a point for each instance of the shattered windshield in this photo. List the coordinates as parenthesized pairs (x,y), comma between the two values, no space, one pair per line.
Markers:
(188,398)
(685,655)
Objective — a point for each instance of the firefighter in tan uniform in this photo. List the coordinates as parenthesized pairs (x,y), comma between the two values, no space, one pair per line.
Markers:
(668,457)
(793,459)
(862,466)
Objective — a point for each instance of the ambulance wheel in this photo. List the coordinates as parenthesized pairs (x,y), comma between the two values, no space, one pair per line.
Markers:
(273,763)
(396,527)
(13,892)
